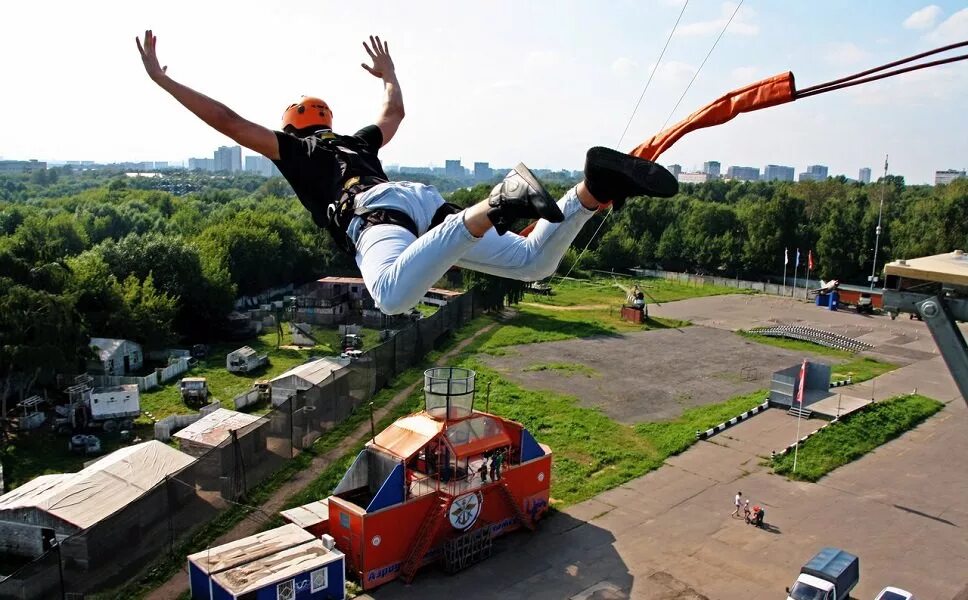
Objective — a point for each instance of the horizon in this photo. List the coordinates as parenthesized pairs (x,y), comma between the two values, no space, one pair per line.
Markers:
(538,98)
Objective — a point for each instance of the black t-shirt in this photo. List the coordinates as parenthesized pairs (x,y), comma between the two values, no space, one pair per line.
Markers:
(316,166)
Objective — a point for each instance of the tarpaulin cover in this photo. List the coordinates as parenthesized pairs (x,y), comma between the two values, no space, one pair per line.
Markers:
(88,496)
(407,435)
(771,91)
(245,550)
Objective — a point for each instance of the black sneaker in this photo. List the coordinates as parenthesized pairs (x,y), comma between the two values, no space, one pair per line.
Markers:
(614,176)
(521,196)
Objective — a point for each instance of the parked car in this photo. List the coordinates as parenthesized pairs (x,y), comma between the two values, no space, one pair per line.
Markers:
(893,593)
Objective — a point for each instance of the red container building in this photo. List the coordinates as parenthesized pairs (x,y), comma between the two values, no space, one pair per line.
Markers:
(417,493)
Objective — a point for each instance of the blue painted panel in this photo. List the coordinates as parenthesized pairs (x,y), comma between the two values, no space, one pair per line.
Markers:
(529,447)
(219,593)
(199,582)
(391,491)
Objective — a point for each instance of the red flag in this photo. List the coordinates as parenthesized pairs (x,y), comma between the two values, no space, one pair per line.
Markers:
(810,260)
(803,381)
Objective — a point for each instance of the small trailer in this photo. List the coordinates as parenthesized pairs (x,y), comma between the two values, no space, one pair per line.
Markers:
(244,360)
(116,406)
(285,563)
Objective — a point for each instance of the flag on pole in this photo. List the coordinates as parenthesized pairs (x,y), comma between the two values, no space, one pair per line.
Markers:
(803,382)
(797,264)
(810,260)
(786,256)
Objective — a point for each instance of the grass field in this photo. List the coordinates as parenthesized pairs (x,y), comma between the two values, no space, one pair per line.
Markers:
(42,452)
(855,435)
(859,368)
(611,291)
(224,386)
(587,308)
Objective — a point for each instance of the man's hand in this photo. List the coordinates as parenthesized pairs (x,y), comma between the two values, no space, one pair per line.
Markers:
(150,59)
(380,55)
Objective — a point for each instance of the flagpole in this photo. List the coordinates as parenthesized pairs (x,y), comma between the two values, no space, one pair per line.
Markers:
(799,400)
(796,267)
(786,261)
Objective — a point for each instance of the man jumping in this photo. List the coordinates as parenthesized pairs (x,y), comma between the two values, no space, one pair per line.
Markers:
(403,235)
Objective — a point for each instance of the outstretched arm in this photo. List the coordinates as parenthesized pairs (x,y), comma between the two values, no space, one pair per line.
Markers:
(217,115)
(389,120)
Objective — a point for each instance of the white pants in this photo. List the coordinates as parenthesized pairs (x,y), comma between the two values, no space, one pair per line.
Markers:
(399,268)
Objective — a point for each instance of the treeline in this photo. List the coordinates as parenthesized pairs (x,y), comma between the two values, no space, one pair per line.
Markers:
(112,260)
(161,259)
(742,229)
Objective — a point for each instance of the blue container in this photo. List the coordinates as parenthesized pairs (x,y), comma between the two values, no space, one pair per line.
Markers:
(823,300)
(834,299)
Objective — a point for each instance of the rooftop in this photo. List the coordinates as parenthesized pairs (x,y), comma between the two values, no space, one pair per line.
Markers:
(214,428)
(247,549)
(96,492)
(276,567)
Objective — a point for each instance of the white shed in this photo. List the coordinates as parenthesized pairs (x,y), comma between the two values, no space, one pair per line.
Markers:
(117,356)
(244,359)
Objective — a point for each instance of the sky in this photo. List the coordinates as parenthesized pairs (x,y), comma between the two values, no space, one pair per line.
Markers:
(498,81)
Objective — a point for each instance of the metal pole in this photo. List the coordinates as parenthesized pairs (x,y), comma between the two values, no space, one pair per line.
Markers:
(60,567)
(372,425)
(877,231)
(487,401)
(796,448)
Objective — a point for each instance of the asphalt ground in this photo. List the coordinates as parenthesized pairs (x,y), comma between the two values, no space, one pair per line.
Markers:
(669,535)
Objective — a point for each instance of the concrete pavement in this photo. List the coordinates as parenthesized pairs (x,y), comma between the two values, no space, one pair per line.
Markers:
(668,535)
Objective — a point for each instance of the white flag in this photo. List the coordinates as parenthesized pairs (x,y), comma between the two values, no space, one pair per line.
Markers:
(786,256)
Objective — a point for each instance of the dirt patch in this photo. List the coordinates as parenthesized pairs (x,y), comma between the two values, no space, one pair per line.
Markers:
(651,375)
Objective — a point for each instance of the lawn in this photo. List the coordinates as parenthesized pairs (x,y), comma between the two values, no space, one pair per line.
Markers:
(585,308)
(860,368)
(612,291)
(224,386)
(855,435)
(41,452)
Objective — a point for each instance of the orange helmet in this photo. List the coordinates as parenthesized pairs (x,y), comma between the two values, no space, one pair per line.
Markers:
(308,112)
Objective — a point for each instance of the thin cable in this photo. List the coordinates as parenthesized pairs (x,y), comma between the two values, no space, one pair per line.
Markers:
(721,33)
(895,63)
(651,75)
(594,235)
(829,88)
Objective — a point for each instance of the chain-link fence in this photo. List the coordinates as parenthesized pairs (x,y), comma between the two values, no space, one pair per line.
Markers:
(107,554)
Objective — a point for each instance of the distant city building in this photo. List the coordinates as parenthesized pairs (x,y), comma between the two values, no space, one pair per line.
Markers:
(864,176)
(743,173)
(778,173)
(260,165)
(946,177)
(416,170)
(228,159)
(675,170)
(814,173)
(711,168)
(482,171)
(201,164)
(22,166)
(694,177)
(453,168)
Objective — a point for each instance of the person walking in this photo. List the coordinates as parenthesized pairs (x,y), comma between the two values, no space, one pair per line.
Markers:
(746,510)
(403,235)
(738,503)
(483,470)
